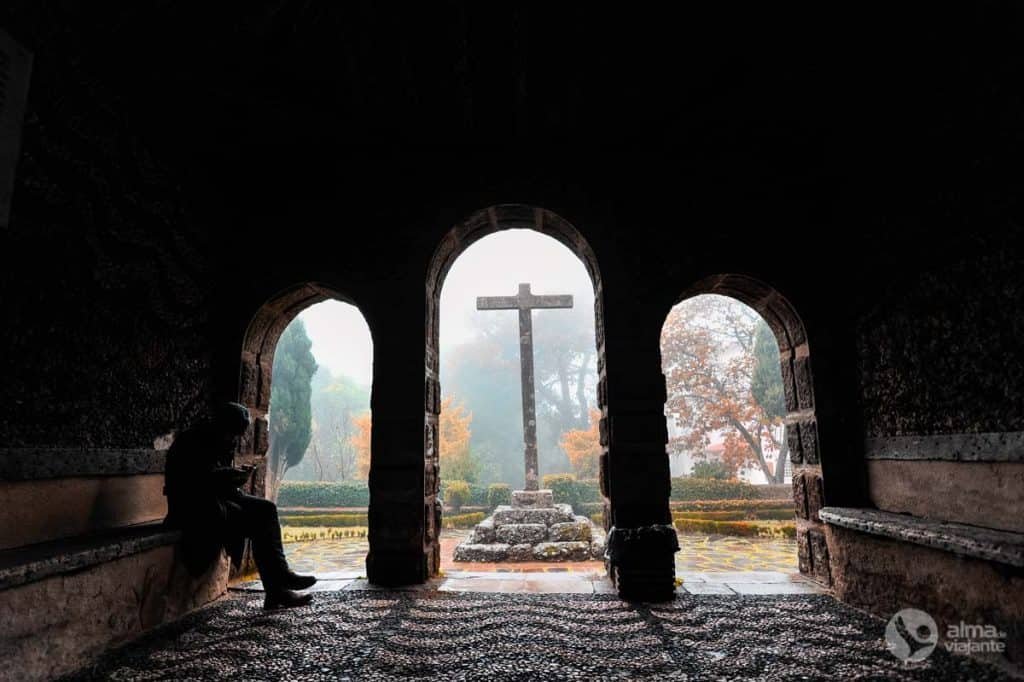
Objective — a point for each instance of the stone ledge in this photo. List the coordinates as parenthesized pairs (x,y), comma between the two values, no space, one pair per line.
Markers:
(959,538)
(30,464)
(24,565)
(952,447)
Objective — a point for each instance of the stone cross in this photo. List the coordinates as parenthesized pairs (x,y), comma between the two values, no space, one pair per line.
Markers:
(525,302)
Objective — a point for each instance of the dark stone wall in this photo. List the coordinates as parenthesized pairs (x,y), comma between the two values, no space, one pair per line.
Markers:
(942,352)
(106,281)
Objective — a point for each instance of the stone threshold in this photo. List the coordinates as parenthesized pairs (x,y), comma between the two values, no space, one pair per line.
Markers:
(732,583)
(977,542)
(23,565)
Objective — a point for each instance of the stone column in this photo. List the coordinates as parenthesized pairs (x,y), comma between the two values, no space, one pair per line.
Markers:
(403,546)
(635,470)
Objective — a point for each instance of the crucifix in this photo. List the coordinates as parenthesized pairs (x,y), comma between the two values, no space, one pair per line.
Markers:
(525,302)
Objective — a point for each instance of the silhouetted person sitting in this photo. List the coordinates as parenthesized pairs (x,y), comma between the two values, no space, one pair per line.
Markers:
(204,501)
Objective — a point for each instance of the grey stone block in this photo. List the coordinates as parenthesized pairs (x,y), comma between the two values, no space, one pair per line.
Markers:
(520,553)
(562,551)
(532,499)
(470,552)
(505,515)
(483,534)
(521,533)
(597,548)
(572,531)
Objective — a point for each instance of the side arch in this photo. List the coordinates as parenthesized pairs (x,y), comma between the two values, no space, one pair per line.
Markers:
(800,420)
(257,363)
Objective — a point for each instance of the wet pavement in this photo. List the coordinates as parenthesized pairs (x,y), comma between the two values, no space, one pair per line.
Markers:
(698,553)
(705,565)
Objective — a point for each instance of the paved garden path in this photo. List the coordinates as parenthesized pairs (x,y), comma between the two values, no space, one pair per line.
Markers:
(698,553)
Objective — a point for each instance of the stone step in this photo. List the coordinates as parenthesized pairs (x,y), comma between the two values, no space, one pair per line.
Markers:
(521,533)
(490,553)
(562,551)
(532,499)
(570,531)
(483,533)
(560,513)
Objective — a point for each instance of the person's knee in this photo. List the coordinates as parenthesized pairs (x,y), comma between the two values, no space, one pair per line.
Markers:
(261,509)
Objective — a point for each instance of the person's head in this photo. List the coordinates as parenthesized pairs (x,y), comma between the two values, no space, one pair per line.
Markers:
(231,421)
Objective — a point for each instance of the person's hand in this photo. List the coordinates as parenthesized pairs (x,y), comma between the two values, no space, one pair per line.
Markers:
(235,476)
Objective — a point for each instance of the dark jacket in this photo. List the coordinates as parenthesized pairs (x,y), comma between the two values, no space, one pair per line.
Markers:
(198,502)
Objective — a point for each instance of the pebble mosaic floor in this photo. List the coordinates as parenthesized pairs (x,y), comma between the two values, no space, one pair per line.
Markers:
(393,635)
(698,553)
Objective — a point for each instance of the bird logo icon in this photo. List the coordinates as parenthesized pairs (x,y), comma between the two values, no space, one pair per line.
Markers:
(911,635)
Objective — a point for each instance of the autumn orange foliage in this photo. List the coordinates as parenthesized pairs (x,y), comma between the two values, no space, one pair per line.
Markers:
(361,442)
(583,448)
(457,461)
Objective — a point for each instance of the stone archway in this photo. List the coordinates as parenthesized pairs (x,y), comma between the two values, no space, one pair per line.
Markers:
(802,431)
(457,240)
(257,364)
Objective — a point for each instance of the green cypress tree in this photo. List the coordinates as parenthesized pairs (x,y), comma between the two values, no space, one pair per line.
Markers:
(291,420)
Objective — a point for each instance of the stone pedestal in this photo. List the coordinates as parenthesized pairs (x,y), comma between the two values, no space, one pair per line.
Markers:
(533,528)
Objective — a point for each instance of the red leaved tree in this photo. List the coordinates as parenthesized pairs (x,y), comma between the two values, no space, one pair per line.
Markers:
(712,350)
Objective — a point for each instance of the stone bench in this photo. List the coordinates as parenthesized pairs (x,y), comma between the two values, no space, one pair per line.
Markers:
(23,565)
(1000,546)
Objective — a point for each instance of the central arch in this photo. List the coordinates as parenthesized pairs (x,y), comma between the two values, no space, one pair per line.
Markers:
(458,239)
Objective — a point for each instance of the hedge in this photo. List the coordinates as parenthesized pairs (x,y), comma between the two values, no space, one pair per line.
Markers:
(317,494)
(498,494)
(739,515)
(462,520)
(565,487)
(587,508)
(766,529)
(477,494)
(457,494)
(730,505)
(291,534)
(344,519)
(567,490)
(688,488)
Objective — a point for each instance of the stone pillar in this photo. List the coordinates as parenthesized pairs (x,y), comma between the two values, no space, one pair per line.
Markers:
(635,470)
(402,532)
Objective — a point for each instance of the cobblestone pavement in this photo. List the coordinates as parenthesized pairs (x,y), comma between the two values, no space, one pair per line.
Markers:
(697,553)
(388,635)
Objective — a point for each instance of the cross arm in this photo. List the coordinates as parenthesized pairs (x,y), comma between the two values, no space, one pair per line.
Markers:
(526,302)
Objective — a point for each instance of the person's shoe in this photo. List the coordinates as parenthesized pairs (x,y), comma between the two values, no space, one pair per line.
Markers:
(285,599)
(294,581)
